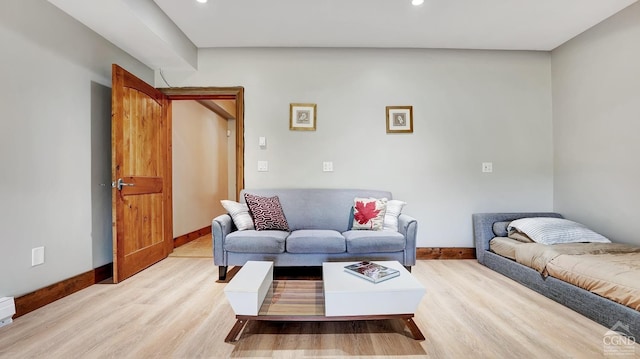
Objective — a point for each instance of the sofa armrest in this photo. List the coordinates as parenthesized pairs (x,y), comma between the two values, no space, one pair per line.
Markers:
(408,227)
(221,226)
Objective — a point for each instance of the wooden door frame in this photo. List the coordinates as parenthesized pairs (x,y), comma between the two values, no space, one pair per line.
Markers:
(214,93)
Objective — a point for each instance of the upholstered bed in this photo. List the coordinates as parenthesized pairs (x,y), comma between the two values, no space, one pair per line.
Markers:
(538,277)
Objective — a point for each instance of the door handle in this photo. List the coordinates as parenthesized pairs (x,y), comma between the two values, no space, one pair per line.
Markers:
(120,183)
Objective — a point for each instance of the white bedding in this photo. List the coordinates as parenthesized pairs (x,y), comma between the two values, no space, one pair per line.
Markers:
(548,230)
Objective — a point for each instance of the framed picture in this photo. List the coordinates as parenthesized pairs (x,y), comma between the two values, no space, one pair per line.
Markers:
(302,116)
(399,119)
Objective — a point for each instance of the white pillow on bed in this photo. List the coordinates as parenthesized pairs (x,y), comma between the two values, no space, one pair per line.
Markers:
(549,230)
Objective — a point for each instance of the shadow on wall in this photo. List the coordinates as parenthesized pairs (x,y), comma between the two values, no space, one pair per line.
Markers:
(50,28)
(101,230)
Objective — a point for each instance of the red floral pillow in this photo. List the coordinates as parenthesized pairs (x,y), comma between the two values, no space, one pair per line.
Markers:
(267,212)
(368,213)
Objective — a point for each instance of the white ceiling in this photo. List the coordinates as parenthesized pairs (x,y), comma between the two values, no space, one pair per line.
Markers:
(153,37)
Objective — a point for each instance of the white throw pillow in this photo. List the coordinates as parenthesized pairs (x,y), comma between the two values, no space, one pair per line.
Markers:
(239,212)
(394,208)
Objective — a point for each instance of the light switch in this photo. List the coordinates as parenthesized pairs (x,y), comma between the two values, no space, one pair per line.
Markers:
(262,142)
(263,166)
(327,166)
(487,167)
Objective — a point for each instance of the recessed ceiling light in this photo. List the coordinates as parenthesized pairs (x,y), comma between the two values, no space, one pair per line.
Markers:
(204,1)
(417,2)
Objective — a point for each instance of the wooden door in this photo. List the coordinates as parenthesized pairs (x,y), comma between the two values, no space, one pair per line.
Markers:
(141,169)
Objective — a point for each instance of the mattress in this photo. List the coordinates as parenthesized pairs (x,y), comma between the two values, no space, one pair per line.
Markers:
(504,246)
(608,269)
(615,276)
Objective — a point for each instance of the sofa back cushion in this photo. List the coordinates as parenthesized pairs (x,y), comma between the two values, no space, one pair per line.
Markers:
(322,208)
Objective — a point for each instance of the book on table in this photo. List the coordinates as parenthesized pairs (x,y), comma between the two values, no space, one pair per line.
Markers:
(370,271)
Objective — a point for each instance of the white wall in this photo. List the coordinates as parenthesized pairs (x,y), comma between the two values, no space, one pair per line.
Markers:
(199,166)
(596,112)
(54,144)
(469,107)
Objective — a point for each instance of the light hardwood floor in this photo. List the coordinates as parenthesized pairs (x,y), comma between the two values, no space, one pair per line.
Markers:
(176,309)
(198,248)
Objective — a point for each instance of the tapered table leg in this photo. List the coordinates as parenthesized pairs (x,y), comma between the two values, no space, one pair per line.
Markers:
(237,328)
(415,331)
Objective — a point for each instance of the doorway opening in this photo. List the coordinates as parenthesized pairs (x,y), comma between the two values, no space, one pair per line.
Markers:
(219,93)
(207,155)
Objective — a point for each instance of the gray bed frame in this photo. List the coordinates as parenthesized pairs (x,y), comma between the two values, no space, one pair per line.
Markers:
(593,306)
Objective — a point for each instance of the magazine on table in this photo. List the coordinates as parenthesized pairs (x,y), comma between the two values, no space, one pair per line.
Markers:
(372,271)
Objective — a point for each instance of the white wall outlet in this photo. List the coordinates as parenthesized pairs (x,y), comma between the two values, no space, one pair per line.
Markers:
(487,167)
(327,166)
(262,142)
(263,166)
(37,256)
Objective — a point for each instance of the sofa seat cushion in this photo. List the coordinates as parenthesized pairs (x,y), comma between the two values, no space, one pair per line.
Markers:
(316,241)
(373,241)
(252,241)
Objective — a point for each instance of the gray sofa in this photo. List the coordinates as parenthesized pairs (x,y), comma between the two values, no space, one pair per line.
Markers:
(593,306)
(319,223)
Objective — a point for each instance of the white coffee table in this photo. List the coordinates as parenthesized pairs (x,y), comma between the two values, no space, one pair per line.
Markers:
(340,296)
(346,294)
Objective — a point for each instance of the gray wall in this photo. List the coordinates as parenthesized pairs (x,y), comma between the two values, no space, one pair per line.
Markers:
(469,107)
(54,144)
(596,126)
